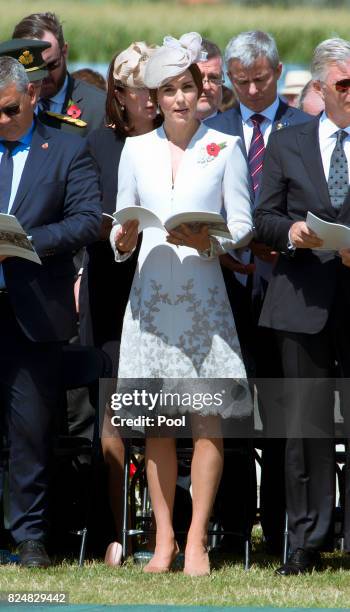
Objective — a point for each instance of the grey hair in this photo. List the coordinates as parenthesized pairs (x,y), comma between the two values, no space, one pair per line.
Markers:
(11,71)
(330,51)
(248,46)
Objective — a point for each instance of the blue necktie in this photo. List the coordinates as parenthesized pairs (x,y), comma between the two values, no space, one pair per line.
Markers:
(6,174)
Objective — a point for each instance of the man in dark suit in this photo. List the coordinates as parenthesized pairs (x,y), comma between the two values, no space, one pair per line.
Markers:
(48,182)
(307,302)
(66,103)
(254,69)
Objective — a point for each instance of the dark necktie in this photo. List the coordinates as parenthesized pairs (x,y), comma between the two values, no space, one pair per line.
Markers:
(338,180)
(6,174)
(256,152)
(44,104)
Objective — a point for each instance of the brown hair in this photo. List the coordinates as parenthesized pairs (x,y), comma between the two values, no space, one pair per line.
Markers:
(35,25)
(90,76)
(197,77)
(211,49)
(116,116)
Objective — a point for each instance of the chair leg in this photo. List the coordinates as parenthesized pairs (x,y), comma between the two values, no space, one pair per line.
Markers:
(125,499)
(247,548)
(285,541)
(82,547)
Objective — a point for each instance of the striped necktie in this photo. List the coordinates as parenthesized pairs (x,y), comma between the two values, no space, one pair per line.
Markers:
(6,174)
(256,152)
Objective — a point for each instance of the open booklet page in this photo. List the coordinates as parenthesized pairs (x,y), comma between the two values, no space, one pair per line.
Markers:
(334,235)
(146,218)
(14,241)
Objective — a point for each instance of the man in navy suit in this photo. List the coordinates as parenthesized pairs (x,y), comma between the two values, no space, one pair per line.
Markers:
(254,69)
(308,299)
(48,182)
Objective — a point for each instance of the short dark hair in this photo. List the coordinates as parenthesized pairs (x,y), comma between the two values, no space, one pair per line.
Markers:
(35,25)
(211,48)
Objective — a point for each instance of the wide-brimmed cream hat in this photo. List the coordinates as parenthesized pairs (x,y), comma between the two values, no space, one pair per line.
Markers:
(173,58)
(295,81)
(129,65)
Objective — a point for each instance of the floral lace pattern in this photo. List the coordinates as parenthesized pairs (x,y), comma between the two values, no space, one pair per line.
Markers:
(200,342)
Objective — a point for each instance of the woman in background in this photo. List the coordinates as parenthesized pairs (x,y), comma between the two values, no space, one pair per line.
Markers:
(105,286)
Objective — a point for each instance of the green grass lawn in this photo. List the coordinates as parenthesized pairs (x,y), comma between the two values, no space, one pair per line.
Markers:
(228,585)
(96,29)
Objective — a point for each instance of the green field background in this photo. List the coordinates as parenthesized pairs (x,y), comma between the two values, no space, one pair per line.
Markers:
(96,29)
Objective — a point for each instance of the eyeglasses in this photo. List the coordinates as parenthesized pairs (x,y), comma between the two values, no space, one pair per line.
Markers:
(213,80)
(10,111)
(50,66)
(342,86)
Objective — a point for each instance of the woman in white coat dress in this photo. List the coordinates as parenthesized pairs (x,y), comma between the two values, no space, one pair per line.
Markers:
(178,322)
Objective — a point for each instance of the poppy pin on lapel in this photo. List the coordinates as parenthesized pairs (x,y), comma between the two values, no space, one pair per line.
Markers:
(45,145)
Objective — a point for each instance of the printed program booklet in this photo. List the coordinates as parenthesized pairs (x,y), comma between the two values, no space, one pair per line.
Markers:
(146,218)
(334,235)
(14,241)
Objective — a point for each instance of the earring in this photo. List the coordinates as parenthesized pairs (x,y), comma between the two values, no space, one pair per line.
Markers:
(122,107)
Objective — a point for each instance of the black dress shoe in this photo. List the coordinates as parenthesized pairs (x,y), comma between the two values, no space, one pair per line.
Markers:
(300,562)
(32,553)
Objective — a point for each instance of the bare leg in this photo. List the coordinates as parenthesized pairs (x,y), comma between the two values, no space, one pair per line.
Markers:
(113,454)
(161,466)
(206,471)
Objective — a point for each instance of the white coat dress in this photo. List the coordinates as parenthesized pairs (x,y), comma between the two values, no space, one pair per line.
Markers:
(178,322)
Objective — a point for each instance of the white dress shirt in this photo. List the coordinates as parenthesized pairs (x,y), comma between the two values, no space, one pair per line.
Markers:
(327,134)
(269,113)
(19,156)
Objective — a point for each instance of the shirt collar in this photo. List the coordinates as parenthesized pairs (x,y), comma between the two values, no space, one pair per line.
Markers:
(269,113)
(328,128)
(211,116)
(60,97)
(25,140)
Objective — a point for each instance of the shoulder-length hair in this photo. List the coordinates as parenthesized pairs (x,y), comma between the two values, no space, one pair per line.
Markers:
(116,116)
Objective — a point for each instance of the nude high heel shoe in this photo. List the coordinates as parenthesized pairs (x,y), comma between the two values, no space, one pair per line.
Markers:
(114,553)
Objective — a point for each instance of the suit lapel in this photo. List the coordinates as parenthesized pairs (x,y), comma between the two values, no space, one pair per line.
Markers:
(35,162)
(282,116)
(237,128)
(69,94)
(310,153)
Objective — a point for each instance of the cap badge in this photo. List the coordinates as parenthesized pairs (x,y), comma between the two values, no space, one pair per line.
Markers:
(26,58)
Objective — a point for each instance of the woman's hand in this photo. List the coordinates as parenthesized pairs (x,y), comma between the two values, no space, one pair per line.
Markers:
(126,238)
(184,236)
